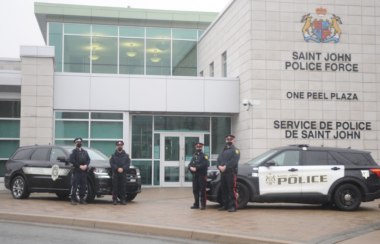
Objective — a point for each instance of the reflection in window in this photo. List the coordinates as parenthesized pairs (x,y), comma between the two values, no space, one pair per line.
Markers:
(104,30)
(158,57)
(71,129)
(287,158)
(104,55)
(185,34)
(55,153)
(10,109)
(132,31)
(131,55)
(145,171)
(7,147)
(171,149)
(77,54)
(221,126)
(142,137)
(158,33)
(184,58)
(186,124)
(55,39)
(171,174)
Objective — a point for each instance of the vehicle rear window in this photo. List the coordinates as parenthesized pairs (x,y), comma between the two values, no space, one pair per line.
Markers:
(40,154)
(319,158)
(357,159)
(22,154)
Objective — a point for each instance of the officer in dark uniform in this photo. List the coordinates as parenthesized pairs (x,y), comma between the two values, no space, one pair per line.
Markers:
(80,160)
(119,162)
(198,167)
(227,163)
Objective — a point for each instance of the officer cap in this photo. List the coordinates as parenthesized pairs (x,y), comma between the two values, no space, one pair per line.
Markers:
(230,137)
(199,144)
(78,140)
(120,143)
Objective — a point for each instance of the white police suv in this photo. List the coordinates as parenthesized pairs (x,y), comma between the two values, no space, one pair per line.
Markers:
(303,174)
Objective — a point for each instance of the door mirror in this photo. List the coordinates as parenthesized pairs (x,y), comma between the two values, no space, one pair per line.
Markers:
(61,159)
(270,163)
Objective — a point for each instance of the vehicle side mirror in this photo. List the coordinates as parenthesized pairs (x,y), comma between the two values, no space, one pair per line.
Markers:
(270,163)
(61,159)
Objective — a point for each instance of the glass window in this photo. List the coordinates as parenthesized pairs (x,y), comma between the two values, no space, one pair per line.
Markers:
(158,57)
(171,174)
(71,129)
(55,153)
(131,56)
(2,167)
(171,148)
(158,33)
(55,39)
(184,58)
(145,171)
(142,137)
(10,109)
(104,30)
(103,130)
(206,147)
(184,34)
(132,31)
(224,64)
(156,173)
(71,115)
(356,158)
(287,158)
(104,55)
(7,147)
(156,146)
(109,116)
(212,69)
(77,54)
(316,158)
(77,29)
(179,124)
(331,159)
(200,33)
(41,154)
(10,128)
(106,147)
(22,154)
(261,158)
(221,126)
(69,143)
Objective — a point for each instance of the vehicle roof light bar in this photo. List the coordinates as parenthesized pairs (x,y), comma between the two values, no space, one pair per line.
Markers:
(299,145)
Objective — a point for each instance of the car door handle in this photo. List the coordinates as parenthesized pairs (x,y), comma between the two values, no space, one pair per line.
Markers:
(335,168)
(292,169)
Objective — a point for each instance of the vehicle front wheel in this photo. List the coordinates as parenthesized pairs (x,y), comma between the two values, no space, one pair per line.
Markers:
(19,188)
(347,197)
(242,195)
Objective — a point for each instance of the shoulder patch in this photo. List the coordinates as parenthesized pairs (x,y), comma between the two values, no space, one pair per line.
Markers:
(237,151)
(206,157)
(110,156)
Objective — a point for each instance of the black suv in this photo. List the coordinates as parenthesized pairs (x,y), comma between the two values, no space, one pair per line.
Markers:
(303,174)
(47,169)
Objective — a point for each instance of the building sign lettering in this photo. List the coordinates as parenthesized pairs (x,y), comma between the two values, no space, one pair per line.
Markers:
(322,95)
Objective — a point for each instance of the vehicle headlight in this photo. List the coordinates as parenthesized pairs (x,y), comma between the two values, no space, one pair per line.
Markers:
(212,173)
(138,173)
(101,170)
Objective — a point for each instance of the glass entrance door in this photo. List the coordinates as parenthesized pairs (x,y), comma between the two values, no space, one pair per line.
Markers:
(176,153)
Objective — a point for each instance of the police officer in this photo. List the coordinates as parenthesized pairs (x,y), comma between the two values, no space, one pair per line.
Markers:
(198,167)
(119,162)
(227,163)
(80,160)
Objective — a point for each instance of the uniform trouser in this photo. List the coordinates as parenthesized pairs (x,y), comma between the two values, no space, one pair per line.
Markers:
(79,178)
(228,185)
(119,183)
(199,189)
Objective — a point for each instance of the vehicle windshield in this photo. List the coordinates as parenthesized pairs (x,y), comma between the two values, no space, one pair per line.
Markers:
(94,154)
(259,159)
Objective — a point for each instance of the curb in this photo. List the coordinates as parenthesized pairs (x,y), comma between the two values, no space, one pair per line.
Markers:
(140,228)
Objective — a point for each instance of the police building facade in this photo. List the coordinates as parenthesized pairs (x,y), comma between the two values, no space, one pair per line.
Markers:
(273,73)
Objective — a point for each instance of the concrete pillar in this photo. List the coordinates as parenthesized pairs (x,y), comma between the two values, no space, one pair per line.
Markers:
(37,118)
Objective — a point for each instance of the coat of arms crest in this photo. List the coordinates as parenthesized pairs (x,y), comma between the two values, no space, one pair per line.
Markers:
(321,30)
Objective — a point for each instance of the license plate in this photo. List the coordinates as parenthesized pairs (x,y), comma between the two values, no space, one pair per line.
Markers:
(133,180)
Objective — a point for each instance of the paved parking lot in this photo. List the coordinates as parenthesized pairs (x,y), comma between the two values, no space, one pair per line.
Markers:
(170,208)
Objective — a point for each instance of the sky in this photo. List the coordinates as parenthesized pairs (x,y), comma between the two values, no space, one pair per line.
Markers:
(18,24)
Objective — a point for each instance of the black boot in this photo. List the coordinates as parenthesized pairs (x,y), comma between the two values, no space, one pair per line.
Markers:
(123,202)
(203,207)
(232,209)
(73,202)
(114,202)
(222,209)
(81,201)
(194,207)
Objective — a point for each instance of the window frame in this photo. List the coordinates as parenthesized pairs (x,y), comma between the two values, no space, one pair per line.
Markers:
(224,64)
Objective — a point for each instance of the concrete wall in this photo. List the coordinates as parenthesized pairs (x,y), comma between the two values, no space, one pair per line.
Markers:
(274,32)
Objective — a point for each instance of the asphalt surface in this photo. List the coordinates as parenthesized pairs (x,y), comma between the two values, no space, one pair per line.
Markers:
(166,212)
(12,232)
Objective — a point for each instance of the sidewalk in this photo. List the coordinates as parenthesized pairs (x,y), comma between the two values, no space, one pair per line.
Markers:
(166,211)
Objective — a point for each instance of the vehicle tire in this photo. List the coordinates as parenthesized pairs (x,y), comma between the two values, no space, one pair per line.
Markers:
(19,188)
(347,197)
(242,195)
(89,194)
(130,197)
(62,195)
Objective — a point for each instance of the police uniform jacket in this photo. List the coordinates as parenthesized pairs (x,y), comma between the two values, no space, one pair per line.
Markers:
(200,162)
(229,157)
(120,160)
(78,158)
